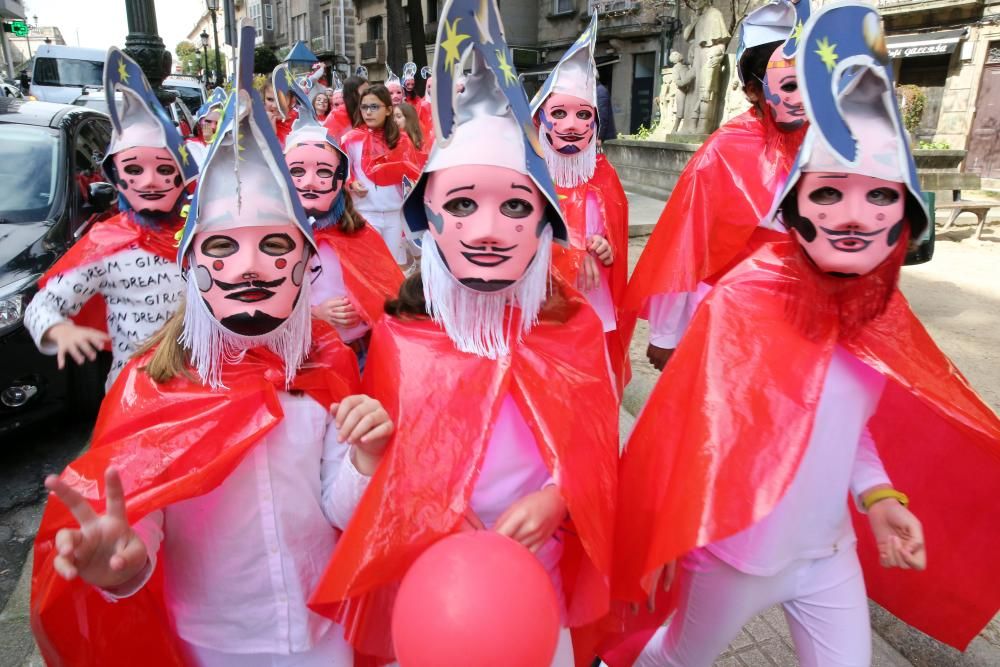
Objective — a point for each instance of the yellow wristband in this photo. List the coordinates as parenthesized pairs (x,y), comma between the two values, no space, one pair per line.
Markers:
(883,494)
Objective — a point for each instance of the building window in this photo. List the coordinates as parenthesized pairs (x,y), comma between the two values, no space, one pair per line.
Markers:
(563,6)
(993,54)
(268,17)
(299,27)
(374,28)
(254,9)
(431,15)
(327,29)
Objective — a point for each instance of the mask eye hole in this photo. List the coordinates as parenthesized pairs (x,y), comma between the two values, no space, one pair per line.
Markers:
(585,114)
(789,86)
(461,206)
(558,114)
(825,196)
(219,246)
(882,196)
(277,244)
(133,169)
(297,172)
(516,208)
(166,170)
(324,173)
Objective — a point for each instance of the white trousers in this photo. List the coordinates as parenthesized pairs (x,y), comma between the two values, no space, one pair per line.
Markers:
(330,651)
(389,225)
(824,601)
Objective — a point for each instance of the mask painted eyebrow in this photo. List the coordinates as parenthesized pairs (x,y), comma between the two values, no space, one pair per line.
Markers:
(834,176)
(517,186)
(129,159)
(786,78)
(165,159)
(459,189)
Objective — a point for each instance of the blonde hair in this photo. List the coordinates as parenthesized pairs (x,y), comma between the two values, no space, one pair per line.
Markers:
(169,358)
(412,125)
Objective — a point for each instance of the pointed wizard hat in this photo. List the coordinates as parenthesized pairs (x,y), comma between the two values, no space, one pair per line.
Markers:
(244,156)
(488,124)
(141,119)
(576,72)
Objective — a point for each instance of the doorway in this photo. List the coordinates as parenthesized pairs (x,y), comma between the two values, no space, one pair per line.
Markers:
(643,78)
(984,139)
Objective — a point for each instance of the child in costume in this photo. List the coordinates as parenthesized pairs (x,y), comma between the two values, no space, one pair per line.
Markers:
(206,122)
(127,261)
(839,392)
(493,431)
(590,195)
(716,213)
(394,85)
(232,453)
(338,121)
(381,156)
(353,273)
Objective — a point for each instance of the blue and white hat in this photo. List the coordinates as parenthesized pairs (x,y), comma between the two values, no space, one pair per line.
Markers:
(776,21)
(215,102)
(491,122)
(140,120)
(575,73)
(245,155)
(845,76)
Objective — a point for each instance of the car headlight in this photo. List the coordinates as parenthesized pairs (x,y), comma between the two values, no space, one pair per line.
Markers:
(11,311)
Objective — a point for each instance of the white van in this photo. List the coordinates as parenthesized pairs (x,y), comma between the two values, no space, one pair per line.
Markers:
(59,73)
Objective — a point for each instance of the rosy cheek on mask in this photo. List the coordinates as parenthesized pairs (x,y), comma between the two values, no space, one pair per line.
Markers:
(848,224)
(314,173)
(396,94)
(148,178)
(569,123)
(781,91)
(485,221)
(250,277)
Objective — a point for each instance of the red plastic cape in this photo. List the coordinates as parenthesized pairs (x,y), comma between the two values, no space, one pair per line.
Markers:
(722,194)
(714,451)
(426,118)
(103,239)
(338,123)
(444,403)
(371,275)
(613,204)
(170,442)
(383,165)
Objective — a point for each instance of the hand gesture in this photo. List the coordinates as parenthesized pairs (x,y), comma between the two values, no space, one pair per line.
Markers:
(105,551)
(662,576)
(658,356)
(363,423)
(589,277)
(81,343)
(357,189)
(339,312)
(899,535)
(600,248)
(533,519)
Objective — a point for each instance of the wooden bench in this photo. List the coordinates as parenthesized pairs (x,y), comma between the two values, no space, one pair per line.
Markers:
(978,208)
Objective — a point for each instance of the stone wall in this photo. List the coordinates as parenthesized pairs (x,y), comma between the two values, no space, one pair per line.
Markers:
(650,168)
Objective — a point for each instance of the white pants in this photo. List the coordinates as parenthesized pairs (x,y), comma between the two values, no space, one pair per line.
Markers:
(824,601)
(389,225)
(332,650)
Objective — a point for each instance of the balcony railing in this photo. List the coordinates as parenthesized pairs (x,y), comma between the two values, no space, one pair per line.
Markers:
(373,51)
(612,7)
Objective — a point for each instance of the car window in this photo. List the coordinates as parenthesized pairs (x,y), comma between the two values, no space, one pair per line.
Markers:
(190,95)
(89,145)
(28,194)
(68,72)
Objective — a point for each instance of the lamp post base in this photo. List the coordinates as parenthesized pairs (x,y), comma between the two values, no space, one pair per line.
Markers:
(143,44)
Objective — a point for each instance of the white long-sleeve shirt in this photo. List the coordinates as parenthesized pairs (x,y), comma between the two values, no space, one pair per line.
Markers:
(328,283)
(141,290)
(382,205)
(812,519)
(600,297)
(240,561)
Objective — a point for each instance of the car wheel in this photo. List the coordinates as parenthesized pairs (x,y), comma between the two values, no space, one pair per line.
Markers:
(86,386)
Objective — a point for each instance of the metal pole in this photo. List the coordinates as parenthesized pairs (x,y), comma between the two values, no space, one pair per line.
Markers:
(143,44)
(204,72)
(6,54)
(218,61)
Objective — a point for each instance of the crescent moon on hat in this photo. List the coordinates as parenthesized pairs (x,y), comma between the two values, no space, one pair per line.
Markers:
(875,37)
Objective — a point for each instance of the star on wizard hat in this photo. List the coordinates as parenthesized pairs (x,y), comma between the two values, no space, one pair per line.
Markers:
(845,75)
(776,21)
(245,155)
(140,120)
(576,72)
(488,124)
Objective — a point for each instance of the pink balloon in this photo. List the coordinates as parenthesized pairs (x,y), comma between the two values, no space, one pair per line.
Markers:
(476,598)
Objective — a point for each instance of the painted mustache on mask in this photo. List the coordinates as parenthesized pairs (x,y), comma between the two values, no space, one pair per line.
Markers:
(486,255)
(315,193)
(251,291)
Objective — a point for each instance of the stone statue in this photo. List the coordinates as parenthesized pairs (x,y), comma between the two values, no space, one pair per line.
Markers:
(683,78)
(707,38)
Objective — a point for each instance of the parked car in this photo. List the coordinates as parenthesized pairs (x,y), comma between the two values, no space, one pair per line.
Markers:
(189,90)
(59,73)
(51,189)
(93,98)
(10,88)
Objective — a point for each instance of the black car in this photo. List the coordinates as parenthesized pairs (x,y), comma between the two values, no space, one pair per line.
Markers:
(51,188)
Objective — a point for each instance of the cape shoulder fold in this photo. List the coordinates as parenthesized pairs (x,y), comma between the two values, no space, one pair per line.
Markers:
(444,403)
(371,275)
(169,442)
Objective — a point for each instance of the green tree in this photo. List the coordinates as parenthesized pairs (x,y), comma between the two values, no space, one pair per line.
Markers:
(188,57)
(264,60)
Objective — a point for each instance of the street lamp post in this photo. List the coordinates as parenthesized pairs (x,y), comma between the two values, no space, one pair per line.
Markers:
(204,53)
(213,6)
(143,44)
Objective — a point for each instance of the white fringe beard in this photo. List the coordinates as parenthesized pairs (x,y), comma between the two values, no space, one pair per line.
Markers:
(569,171)
(212,345)
(475,320)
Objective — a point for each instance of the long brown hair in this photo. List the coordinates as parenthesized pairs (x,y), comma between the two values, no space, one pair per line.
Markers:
(409,303)
(351,98)
(389,128)
(412,124)
(351,221)
(170,358)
